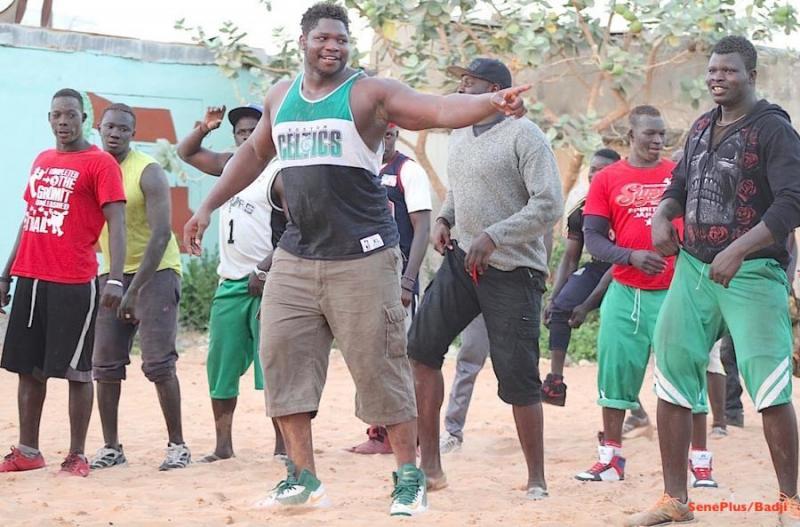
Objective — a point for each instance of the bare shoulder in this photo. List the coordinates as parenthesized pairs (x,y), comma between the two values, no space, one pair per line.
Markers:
(378,87)
(276,94)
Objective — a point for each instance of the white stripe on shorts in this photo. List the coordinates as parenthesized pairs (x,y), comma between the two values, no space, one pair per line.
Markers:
(765,397)
(666,391)
(86,323)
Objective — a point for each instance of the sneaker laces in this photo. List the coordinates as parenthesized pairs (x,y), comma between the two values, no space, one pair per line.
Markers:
(598,468)
(291,481)
(405,491)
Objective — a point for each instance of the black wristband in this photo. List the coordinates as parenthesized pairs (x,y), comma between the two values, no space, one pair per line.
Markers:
(407,289)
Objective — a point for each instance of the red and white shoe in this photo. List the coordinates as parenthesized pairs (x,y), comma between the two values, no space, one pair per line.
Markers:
(75,465)
(700,469)
(16,461)
(609,467)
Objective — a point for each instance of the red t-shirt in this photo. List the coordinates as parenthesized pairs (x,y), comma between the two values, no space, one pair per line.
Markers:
(64,216)
(628,196)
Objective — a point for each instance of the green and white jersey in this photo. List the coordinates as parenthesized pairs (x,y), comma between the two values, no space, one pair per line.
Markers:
(338,208)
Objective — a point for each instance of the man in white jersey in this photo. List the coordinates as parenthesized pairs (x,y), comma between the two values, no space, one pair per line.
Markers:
(248,230)
(337,269)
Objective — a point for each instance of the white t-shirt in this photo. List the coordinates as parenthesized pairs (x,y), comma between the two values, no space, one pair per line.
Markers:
(416,187)
(245,229)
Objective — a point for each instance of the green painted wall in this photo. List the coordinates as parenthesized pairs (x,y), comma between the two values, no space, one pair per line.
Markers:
(29,77)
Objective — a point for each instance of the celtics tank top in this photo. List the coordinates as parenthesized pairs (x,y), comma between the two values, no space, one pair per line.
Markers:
(337,207)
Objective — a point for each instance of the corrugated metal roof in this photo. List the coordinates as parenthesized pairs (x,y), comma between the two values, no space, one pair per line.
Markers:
(14,35)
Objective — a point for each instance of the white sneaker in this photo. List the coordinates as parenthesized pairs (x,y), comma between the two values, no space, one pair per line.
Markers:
(700,469)
(449,443)
(610,466)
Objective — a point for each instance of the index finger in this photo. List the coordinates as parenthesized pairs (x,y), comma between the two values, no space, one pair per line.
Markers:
(514,91)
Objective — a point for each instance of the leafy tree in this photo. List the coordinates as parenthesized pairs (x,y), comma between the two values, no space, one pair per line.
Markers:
(612,50)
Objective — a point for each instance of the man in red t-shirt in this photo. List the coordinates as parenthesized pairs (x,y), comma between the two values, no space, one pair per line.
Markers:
(73,190)
(622,199)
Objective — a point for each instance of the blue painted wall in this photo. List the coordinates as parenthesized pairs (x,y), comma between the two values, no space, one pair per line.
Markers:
(29,77)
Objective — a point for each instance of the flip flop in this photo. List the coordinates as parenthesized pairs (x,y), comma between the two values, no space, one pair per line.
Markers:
(211,458)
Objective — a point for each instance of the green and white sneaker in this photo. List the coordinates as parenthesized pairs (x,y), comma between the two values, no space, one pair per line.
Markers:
(305,491)
(410,495)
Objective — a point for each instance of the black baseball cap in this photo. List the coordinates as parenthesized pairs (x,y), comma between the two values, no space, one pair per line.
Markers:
(490,70)
(251,110)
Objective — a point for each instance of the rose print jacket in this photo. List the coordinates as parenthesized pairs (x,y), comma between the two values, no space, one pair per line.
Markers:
(751,175)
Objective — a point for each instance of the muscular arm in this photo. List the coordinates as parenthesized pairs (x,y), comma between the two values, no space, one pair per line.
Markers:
(413,110)
(595,232)
(155,188)
(190,149)
(115,217)
(421,222)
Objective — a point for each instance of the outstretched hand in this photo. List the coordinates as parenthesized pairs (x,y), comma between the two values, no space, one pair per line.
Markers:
(213,117)
(509,101)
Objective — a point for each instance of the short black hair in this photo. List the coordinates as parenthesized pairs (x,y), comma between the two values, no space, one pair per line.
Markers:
(120,107)
(740,45)
(69,92)
(321,10)
(608,153)
(643,109)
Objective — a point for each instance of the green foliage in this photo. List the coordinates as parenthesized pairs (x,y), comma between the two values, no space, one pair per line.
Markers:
(199,284)
(545,38)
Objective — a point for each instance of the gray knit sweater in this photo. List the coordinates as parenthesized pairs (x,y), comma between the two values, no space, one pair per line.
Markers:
(504,182)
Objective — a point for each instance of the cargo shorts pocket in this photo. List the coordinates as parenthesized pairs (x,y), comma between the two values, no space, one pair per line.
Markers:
(395,322)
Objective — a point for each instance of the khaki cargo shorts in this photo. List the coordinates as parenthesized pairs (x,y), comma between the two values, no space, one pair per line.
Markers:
(309,303)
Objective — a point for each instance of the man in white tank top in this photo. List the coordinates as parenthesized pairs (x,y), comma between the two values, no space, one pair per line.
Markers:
(248,230)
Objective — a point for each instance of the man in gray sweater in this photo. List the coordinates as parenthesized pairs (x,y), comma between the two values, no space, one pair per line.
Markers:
(505,194)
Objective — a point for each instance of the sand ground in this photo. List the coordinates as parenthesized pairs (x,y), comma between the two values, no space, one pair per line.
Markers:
(486,476)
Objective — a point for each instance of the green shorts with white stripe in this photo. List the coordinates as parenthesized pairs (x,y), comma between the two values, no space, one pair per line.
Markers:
(698,311)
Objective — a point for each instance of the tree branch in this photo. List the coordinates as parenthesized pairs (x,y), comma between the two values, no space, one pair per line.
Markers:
(587,32)
(443,39)
(478,43)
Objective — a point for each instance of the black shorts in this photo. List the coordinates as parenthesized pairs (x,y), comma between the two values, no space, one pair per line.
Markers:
(510,302)
(579,286)
(51,329)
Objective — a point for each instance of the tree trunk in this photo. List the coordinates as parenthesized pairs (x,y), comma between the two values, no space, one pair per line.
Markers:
(570,177)
(421,156)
